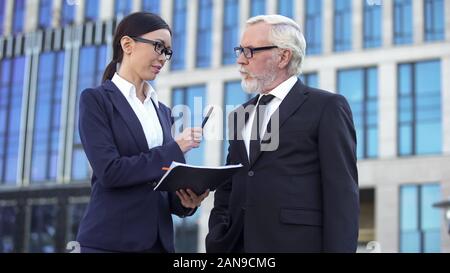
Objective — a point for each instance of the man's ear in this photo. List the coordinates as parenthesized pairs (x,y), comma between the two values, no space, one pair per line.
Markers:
(127,45)
(285,58)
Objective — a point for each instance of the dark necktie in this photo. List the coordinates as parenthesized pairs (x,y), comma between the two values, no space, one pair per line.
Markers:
(255,138)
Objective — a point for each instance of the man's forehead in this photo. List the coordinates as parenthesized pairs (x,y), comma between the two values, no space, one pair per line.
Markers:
(256,35)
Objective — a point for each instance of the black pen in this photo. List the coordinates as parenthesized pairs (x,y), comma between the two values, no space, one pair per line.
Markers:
(207,116)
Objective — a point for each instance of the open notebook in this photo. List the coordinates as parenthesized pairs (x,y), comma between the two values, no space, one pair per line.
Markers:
(196,178)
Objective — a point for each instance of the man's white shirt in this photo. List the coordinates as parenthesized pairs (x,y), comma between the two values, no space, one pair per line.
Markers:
(280,92)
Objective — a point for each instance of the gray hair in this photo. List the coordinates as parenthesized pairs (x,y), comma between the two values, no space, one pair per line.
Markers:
(285,33)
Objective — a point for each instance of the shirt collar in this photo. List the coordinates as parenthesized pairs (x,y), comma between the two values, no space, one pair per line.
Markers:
(281,91)
(129,91)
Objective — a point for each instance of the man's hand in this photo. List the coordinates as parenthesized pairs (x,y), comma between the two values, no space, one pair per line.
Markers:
(189,199)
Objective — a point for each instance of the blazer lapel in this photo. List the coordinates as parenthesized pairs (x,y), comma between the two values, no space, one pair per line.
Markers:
(290,104)
(165,122)
(127,113)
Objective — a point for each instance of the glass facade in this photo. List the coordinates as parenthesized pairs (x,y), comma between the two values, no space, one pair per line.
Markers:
(257,7)
(151,6)
(419,108)
(179,38)
(2,15)
(310,79)
(43,228)
(91,10)
(204,33)
(122,7)
(234,96)
(434,20)
(403,25)
(230,31)
(11,93)
(18,16)
(372,25)
(46,136)
(286,8)
(342,25)
(90,71)
(360,87)
(313,26)
(45,13)
(419,221)
(8,228)
(67,13)
(194,97)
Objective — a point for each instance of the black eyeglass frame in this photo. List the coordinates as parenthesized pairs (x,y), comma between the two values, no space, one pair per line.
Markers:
(162,49)
(250,50)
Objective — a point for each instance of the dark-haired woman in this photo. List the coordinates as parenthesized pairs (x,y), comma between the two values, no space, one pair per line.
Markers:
(126,134)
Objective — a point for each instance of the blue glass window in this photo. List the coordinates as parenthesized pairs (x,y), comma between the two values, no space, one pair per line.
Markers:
(45,13)
(372,24)
(204,33)
(434,20)
(230,31)
(90,72)
(419,221)
(2,15)
(122,7)
(45,149)
(178,61)
(342,25)
(8,229)
(151,6)
(257,7)
(310,79)
(43,228)
(91,10)
(11,93)
(403,31)
(19,16)
(360,87)
(313,26)
(234,97)
(67,13)
(286,8)
(194,98)
(419,108)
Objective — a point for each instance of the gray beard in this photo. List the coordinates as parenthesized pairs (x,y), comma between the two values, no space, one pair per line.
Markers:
(255,86)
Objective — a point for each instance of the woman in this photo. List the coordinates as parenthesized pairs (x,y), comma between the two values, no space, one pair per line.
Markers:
(126,134)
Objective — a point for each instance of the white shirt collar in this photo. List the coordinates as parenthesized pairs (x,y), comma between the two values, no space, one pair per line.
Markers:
(281,91)
(129,91)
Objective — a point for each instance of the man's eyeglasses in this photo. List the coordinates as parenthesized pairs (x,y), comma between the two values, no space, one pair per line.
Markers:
(159,46)
(249,51)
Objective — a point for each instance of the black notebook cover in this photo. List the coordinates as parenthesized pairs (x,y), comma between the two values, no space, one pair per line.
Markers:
(196,178)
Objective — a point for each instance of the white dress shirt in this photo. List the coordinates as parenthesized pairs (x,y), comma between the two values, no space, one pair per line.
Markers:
(145,111)
(280,92)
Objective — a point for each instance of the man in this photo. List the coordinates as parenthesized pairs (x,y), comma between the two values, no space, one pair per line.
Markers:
(302,195)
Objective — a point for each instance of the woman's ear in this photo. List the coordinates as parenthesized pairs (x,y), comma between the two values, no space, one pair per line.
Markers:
(285,58)
(127,45)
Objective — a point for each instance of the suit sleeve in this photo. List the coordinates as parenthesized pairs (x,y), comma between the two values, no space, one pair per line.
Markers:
(219,219)
(337,152)
(112,169)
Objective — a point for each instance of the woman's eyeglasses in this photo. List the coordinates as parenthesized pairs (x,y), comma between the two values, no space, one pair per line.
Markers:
(159,46)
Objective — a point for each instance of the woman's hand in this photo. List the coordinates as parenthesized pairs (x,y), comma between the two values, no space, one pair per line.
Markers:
(189,199)
(189,138)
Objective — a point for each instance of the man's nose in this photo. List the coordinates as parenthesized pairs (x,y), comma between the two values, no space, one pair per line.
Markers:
(241,59)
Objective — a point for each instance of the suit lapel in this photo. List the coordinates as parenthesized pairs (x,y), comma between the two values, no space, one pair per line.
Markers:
(290,104)
(241,143)
(127,113)
(165,124)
